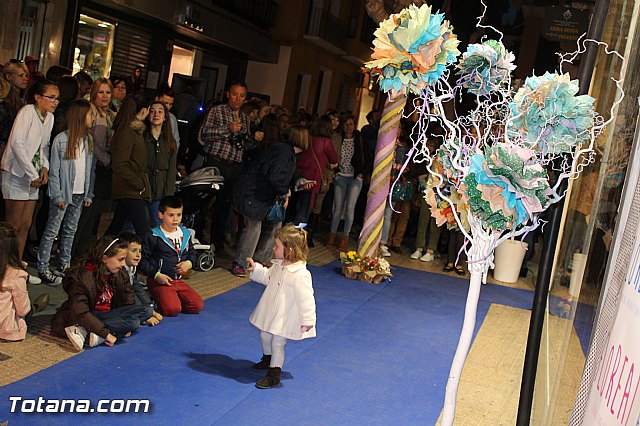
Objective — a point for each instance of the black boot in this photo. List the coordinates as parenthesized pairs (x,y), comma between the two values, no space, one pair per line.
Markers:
(311,228)
(263,364)
(271,380)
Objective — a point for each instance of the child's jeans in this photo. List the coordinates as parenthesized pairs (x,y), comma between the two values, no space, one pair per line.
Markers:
(67,218)
(273,345)
(142,297)
(122,320)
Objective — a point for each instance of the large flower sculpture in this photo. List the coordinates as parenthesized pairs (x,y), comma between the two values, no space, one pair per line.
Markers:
(486,67)
(412,50)
(547,113)
(506,187)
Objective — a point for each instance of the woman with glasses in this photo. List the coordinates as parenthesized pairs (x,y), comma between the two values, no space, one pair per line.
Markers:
(25,163)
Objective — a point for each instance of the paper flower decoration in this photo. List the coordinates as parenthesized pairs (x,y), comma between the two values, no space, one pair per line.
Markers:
(412,50)
(485,67)
(549,115)
(506,186)
(441,209)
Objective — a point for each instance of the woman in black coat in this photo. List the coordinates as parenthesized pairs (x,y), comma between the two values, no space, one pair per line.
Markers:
(264,178)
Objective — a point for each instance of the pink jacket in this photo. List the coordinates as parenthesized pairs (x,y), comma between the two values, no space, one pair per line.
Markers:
(14,305)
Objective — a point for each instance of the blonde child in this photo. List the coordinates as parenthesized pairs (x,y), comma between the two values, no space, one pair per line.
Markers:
(69,188)
(14,298)
(287,308)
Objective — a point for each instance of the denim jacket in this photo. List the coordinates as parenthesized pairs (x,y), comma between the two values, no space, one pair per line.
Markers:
(63,172)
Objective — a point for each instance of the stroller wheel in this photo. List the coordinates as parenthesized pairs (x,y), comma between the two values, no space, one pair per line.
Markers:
(205,261)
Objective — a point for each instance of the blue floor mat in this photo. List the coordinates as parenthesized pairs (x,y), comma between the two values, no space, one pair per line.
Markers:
(382,356)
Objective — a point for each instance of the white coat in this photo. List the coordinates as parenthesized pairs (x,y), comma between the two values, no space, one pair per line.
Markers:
(287,303)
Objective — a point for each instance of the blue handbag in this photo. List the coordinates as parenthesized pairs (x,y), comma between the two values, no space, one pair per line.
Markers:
(276,212)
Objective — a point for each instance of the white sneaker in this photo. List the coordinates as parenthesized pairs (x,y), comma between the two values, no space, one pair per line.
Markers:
(77,335)
(34,280)
(384,250)
(95,340)
(428,257)
(416,254)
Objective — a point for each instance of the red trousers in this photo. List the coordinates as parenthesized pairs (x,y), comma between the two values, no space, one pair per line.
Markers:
(175,298)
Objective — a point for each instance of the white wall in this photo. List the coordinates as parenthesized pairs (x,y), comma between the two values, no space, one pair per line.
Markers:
(270,79)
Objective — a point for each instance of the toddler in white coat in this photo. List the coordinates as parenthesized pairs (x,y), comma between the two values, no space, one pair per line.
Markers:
(287,308)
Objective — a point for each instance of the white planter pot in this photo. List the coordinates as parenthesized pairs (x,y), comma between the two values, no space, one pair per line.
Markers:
(508,260)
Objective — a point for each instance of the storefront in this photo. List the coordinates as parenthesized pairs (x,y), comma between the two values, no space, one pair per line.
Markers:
(590,217)
(107,39)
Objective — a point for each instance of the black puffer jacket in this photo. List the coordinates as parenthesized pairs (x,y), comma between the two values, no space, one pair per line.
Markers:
(265,176)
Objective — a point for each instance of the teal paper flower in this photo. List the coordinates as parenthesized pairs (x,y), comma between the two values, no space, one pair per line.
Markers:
(506,187)
(550,115)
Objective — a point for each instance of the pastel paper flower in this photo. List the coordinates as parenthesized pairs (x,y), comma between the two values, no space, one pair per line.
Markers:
(506,186)
(412,50)
(550,115)
(485,67)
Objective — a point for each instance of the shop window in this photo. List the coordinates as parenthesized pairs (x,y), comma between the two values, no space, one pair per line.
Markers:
(94,48)
(181,62)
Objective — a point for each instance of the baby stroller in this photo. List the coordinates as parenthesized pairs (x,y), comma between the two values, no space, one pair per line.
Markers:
(196,190)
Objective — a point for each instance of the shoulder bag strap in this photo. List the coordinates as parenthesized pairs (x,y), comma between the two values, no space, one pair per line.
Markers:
(317,162)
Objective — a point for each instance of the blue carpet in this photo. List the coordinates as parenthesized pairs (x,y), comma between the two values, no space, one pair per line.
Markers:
(381,357)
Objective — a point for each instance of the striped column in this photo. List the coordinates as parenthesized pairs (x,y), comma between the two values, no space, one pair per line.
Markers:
(379,189)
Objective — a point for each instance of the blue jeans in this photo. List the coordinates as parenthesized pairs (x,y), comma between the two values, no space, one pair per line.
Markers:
(123,320)
(153,213)
(142,297)
(65,219)
(345,196)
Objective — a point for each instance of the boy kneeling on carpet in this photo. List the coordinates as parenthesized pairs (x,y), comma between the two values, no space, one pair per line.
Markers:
(139,289)
(100,300)
(287,308)
(167,256)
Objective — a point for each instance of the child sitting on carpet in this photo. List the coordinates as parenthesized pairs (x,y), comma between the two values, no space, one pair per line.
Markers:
(287,308)
(14,298)
(100,300)
(131,264)
(167,256)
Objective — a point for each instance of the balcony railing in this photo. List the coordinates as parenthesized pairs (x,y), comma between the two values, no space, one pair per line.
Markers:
(262,13)
(326,26)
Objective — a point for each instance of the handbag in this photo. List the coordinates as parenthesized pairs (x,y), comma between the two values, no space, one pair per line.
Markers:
(276,212)
(402,191)
(324,183)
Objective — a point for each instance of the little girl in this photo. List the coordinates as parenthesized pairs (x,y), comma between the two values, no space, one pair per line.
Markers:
(100,300)
(14,298)
(69,188)
(287,308)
